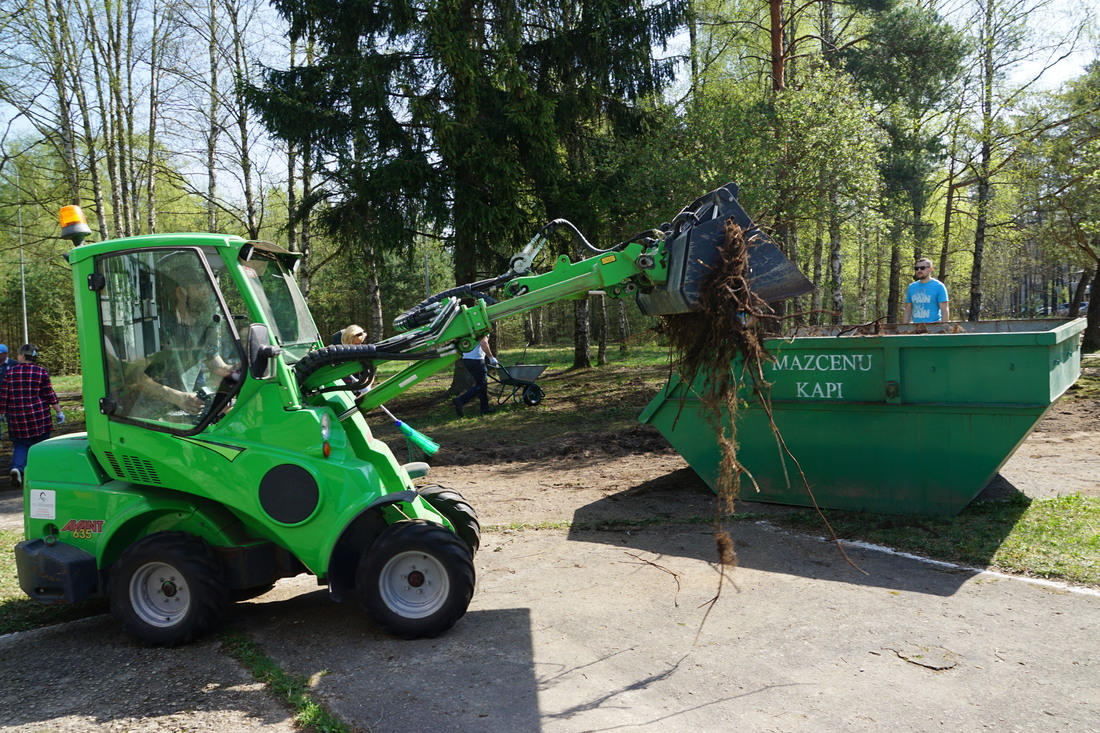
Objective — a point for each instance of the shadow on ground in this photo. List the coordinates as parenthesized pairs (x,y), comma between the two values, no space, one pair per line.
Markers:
(828,561)
(478,676)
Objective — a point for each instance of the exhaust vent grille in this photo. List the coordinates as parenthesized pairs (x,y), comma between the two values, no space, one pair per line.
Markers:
(132,468)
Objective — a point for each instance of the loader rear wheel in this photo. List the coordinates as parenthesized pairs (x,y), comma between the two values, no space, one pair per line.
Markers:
(532,395)
(458,512)
(416,580)
(168,588)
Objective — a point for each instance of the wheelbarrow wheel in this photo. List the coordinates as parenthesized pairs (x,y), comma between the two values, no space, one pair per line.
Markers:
(532,395)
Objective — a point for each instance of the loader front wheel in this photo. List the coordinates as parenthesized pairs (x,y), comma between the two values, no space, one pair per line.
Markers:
(168,588)
(458,512)
(416,580)
(532,395)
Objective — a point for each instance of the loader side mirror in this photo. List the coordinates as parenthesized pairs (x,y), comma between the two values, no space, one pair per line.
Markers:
(260,351)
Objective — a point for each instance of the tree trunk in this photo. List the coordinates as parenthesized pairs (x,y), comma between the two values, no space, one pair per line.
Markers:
(130,115)
(89,136)
(240,109)
(775,9)
(99,54)
(581,341)
(819,273)
(305,272)
(532,327)
(864,281)
(155,51)
(375,326)
(600,302)
(981,223)
(1091,340)
(213,128)
(835,278)
(895,294)
(694,93)
(57,27)
(1079,292)
(984,161)
(291,182)
(624,327)
(948,209)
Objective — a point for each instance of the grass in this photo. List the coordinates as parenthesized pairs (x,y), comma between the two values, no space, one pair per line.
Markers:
(292,690)
(1057,538)
(66,383)
(1087,386)
(606,398)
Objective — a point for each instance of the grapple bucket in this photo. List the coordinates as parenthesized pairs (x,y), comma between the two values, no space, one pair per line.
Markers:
(692,247)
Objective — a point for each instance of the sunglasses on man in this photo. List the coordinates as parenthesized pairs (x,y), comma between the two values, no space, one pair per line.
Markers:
(922,267)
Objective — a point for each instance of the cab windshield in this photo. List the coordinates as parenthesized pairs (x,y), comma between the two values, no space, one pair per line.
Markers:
(284,309)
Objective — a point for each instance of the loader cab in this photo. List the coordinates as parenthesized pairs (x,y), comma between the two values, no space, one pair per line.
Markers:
(171,347)
(167,330)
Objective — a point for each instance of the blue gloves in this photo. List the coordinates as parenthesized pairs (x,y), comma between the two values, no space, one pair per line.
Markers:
(494,363)
(60,417)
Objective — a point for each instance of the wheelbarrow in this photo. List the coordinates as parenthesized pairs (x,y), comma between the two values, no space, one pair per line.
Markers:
(517,383)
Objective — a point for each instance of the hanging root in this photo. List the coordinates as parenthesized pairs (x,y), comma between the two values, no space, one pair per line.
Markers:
(727,325)
(730,323)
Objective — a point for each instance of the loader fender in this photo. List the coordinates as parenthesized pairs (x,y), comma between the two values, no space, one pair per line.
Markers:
(160,513)
(344,559)
(361,532)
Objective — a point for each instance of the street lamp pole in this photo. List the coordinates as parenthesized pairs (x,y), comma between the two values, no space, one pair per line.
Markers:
(22,269)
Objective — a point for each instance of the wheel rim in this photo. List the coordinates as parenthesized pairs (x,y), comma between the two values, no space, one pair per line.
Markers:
(414,584)
(159,594)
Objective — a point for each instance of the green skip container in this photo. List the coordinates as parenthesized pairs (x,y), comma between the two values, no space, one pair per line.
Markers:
(913,419)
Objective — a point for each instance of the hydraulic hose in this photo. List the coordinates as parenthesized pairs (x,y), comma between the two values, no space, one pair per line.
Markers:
(365,354)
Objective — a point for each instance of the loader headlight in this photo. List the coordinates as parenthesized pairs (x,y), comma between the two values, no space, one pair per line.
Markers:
(326,432)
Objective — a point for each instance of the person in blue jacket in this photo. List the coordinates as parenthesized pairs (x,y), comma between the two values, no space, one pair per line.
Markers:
(474,361)
(926,299)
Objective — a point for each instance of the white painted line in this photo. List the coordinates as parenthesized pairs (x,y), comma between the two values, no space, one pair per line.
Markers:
(1083,590)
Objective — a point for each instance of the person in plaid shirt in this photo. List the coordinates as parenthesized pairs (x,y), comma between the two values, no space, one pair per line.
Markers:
(25,398)
(5,362)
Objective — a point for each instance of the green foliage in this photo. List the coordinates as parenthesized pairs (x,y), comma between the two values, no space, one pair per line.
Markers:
(497,108)
(50,316)
(831,141)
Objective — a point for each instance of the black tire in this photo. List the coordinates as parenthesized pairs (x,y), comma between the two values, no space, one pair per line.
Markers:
(416,580)
(168,588)
(458,512)
(532,395)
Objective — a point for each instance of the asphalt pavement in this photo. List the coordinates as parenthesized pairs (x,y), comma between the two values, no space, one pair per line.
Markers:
(600,631)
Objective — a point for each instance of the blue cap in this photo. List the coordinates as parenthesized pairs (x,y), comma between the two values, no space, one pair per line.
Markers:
(3,348)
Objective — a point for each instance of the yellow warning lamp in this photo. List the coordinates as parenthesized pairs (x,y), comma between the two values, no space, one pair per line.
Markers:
(74,227)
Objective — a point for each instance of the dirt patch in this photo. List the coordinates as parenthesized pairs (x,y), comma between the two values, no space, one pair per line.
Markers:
(490,449)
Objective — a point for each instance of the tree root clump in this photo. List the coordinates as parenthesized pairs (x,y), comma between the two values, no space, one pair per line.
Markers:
(727,329)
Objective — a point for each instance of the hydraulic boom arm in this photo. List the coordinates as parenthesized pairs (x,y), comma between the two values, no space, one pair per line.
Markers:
(663,269)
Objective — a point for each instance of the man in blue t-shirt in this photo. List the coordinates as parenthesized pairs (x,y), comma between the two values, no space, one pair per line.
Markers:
(926,299)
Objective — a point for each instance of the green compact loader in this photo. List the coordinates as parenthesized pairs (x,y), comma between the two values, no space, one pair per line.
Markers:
(226,444)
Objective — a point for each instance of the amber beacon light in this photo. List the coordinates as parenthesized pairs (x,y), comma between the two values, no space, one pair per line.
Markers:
(74,227)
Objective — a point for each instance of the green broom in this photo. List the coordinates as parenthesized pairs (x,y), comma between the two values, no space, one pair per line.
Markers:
(421,441)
